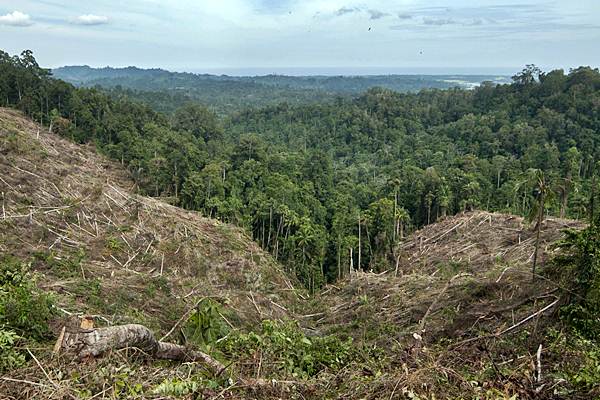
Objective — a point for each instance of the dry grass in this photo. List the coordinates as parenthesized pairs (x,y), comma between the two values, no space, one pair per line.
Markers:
(478,240)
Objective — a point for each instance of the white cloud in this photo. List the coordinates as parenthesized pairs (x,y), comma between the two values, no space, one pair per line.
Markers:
(90,19)
(16,18)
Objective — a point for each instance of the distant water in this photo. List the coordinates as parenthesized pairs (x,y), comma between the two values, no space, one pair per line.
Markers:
(348,71)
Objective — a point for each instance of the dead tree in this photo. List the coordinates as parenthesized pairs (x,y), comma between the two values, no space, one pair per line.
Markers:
(94,342)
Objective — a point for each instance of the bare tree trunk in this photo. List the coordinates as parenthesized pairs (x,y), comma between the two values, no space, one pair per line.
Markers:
(270,227)
(537,235)
(95,342)
(351,263)
(593,198)
(498,180)
(339,258)
(359,244)
(395,216)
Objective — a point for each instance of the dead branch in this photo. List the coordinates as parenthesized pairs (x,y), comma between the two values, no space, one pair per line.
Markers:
(184,317)
(507,330)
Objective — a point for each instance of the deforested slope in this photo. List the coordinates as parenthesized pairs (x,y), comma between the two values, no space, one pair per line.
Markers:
(479,239)
(104,250)
(459,316)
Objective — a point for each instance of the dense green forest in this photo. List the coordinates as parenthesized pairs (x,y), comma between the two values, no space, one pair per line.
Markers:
(333,186)
(166,91)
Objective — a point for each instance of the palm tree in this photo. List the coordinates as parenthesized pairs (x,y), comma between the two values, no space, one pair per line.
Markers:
(543,191)
(402,217)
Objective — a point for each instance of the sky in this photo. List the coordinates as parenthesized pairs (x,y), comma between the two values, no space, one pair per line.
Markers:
(295,36)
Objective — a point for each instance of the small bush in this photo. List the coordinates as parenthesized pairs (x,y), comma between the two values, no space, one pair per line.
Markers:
(206,325)
(286,346)
(10,358)
(579,265)
(23,307)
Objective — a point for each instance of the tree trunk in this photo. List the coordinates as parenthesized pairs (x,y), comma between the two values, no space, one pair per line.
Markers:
(537,235)
(592,198)
(351,263)
(498,180)
(339,258)
(395,216)
(359,244)
(95,342)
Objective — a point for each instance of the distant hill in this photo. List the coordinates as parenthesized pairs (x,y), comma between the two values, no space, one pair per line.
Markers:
(166,90)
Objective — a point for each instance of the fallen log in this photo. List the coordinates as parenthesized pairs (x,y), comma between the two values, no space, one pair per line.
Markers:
(86,343)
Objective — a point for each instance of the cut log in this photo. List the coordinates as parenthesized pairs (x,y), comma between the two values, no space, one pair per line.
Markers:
(95,342)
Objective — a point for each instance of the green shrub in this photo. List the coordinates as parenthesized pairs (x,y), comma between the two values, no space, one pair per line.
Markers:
(23,307)
(579,264)
(286,346)
(206,325)
(176,388)
(10,357)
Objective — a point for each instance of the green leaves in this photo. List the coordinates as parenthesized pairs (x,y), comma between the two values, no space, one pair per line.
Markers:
(580,266)
(10,358)
(283,345)
(207,324)
(23,307)
(24,312)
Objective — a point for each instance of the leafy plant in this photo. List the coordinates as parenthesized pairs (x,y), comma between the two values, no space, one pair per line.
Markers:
(23,307)
(207,324)
(10,358)
(580,265)
(286,346)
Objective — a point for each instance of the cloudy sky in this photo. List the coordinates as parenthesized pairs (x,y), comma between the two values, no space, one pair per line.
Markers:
(276,35)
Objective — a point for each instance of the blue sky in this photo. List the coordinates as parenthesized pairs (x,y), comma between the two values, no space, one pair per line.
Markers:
(378,35)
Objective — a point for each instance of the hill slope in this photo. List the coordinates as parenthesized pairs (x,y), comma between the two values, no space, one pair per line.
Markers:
(104,250)
(459,317)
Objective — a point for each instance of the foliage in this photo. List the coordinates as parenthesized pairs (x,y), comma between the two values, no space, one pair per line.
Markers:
(335,185)
(176,388)
(23,307)
(580,264)
(10,358)
(285,345)
(206,325)
(24,311)
(587,375)
(185,387)
(166,91)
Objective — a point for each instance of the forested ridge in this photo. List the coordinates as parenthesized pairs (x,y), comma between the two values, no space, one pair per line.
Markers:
(166,91)
(335,186)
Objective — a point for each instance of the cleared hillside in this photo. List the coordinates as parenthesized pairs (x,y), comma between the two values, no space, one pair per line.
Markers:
(460,304)
(106,251)
(478,240)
